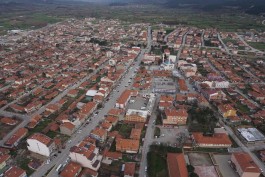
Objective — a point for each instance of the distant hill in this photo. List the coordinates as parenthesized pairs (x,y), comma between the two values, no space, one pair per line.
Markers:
(255,7)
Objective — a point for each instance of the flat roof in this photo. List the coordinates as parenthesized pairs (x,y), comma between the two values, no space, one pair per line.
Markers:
(251,134)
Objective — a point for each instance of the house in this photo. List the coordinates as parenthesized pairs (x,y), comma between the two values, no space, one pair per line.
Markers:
(106,125)
(3,159)
(117,113)
(40,144)
(176,165)
(9,121)
(123,100)
(129,169)
(202,102)
(183,88)
(175,117)
(99,134)
(72,93)
(135,134)
(52,108)
(127,145)
(34,121)
(88,172)
(86,154)
(217,140)
(72,169)
(244,165)
(16,137)
(113,120)
(113,155)
(14,171)
(88,109)
(214,94)
(67,128)
(227,110)
(165,101)
(33,106)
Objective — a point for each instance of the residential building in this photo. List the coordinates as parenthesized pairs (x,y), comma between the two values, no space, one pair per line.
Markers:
(99,134)
(127,145)
(123,100)
(16,137)
(14,171)
(129,169)
(244,165)
(72,169)
(3,159)
(86,154)
(40,144)
(67,128)
(227,110)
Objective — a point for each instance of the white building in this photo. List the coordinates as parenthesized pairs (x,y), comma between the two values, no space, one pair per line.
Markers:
(112,62)
(109,54)
(40,144)
(86,154)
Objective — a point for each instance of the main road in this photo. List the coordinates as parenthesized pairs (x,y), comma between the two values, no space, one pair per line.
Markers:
(95,120)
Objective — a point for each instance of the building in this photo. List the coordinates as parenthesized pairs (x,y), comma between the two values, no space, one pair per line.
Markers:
(119,113)
(3,159)
(217,140)
(123,100)
(175,117)
(15,172)
(86,154)
(127,145)
(135,115)
(99,134)
(244,165)
(227,110)
(67,128)
(251,135)
(40,144)
(129,169)
(213,94)
(135,134)
(87,109)
(72,169)
(16,137)
(176,165)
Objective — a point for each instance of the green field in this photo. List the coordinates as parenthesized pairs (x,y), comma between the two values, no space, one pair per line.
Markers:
(36,15)
(257,45)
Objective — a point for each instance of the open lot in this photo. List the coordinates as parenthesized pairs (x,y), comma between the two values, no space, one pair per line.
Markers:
(204,171)
(224,167)
(169,135)
(200,159)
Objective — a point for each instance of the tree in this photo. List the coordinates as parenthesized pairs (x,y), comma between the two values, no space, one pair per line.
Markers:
(193,174)
(190,168)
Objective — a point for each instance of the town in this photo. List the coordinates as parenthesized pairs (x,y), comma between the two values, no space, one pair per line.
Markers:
(95,97)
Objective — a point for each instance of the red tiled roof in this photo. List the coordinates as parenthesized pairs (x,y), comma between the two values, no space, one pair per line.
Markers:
(176,165)
(41,138)
(217,138)
(14,172)
(129,168)
(246,162)
(72,169)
